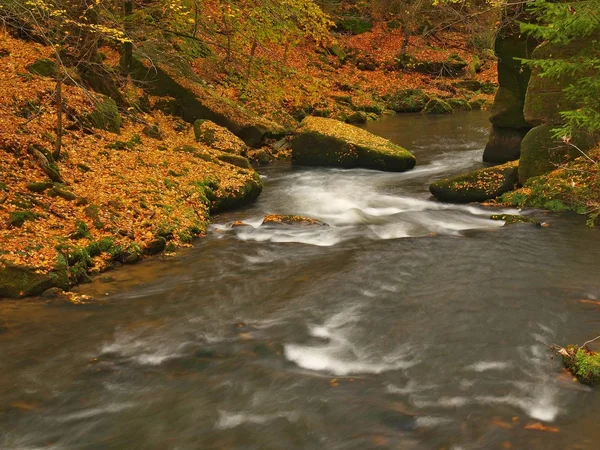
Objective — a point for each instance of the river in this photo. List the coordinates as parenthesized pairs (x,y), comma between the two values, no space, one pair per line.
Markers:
(405,324)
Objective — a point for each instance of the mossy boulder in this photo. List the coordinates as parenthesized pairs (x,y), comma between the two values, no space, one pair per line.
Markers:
(43,67)
(469,85)
(193,101)
(459,104)
(476,186)
(105,116)
(357,117)
(541,152)
(338,51)
(408,100)
(437,106)
(237,196)
(17,281)
(236,160)
(510,219)
(39,186)
(354,25)
(452,67)
(545,97)
(504,144)
(219,138)
(583,363)
(277,219)
(507,109)
(328,142)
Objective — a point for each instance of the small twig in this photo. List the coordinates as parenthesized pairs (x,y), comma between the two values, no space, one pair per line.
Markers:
(591,340)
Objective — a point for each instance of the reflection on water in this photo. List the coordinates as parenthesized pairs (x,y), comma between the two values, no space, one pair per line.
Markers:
(405,324)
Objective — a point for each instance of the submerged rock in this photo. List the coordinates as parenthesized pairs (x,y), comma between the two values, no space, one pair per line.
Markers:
(292,220)
(510,219)
(328,142)
(478,185)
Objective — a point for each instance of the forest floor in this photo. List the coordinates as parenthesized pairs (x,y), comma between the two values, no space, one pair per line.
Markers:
(125,196)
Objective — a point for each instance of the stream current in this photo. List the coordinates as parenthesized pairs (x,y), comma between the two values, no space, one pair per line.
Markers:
(405,324)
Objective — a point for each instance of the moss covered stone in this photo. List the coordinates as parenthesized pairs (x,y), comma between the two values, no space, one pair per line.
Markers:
(106,116)
(583,363)
(478,185)
(43,67)
(277,219)
(328,142)
(236,160)
(192,101)
(408,100)
(218,137)
(357,117)
(459,104)
(18,218)
(541,152)
(236,197)
(510,219)
(39,186)
(17,281)
(437,106)
(504,144)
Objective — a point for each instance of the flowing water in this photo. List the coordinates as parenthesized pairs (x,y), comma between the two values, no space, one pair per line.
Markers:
(405,324)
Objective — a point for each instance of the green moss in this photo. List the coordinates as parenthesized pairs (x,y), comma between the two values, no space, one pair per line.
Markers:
(236,160)
(105,116)
(18,218)
(354,25)
(131,144)
(583,363)
(511,219)
(437,106)
(408,100)
(81,231)
(39,186)
(458,103)
(478,185)
(327,142)
(16,281)
(43,67)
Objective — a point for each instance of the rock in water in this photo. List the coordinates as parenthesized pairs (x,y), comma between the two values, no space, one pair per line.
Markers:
(478,185)
(328,142)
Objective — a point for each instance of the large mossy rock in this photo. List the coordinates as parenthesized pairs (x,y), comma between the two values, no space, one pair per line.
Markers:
(193,102)
(238,196)
(328,142)
(16,281)
(219,138)
(408,100)
(504,144)
(44,68)
(541,152)
(545,97)
(105,116)
(437,106)
(478,185)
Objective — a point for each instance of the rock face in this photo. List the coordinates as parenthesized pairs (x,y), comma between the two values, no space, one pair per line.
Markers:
(193,102)
(328,142)
(508,122)
(541,152)
(478,185)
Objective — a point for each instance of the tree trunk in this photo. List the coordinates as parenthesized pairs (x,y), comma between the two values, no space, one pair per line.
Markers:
(127,55)
(59,117)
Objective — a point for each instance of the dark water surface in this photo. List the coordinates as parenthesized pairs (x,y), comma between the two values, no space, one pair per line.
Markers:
(406,324)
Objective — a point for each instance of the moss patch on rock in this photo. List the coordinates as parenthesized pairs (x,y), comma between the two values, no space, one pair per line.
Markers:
(574,187)
(219,138)
(17,281)
(478,185)
(105,116)
(328,142)
(541,152)
(437,106)
(278,219)
(582,363)
(510,219)
(504,144)
(408,100)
